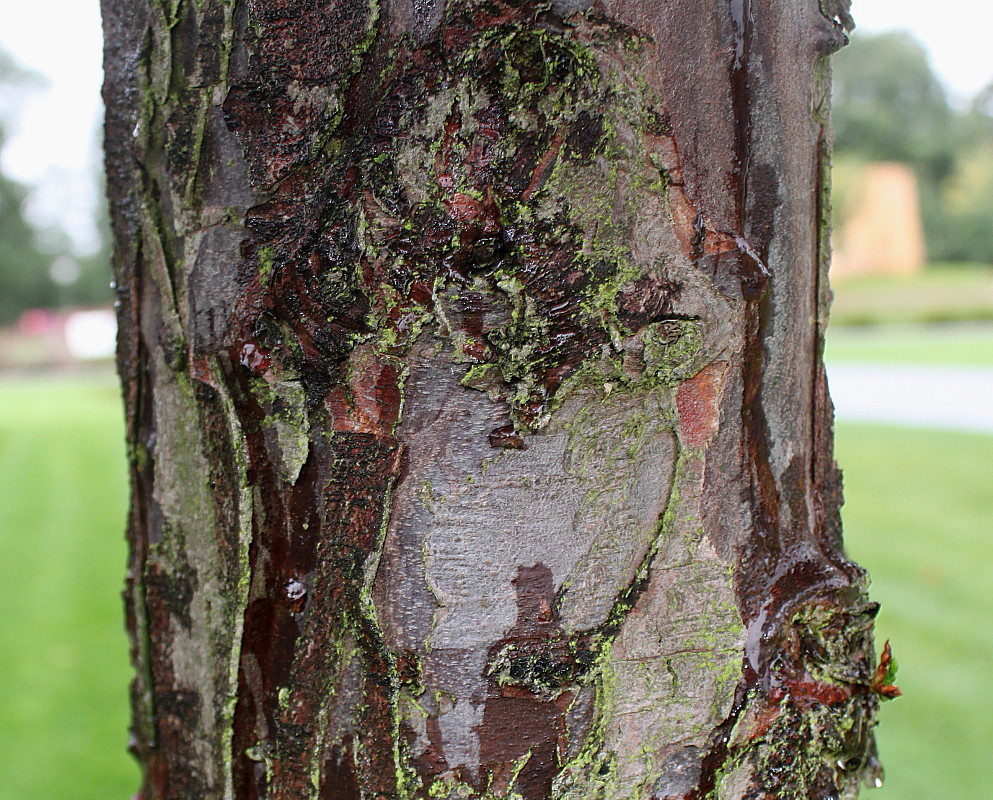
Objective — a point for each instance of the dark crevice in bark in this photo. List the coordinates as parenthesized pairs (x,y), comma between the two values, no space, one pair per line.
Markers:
(777,575)
(741,13)
(719,750)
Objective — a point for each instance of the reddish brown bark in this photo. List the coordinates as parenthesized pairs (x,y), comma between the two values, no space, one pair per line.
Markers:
(480,440)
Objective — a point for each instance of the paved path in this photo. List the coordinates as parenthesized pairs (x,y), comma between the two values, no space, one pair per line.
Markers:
(958,398)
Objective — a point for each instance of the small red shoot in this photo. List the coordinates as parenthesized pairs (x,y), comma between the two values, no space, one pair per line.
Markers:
(882,682)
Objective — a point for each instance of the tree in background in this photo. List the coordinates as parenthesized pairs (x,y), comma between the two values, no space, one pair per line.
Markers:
(39,267)
(963,230)
(93,285)
(24,278)
(479,437)
(890,106)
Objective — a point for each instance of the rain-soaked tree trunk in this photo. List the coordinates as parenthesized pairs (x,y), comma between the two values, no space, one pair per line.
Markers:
(479,437)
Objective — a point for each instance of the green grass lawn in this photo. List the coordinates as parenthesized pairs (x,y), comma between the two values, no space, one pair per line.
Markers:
(958,345)
(918,515)
(63,697)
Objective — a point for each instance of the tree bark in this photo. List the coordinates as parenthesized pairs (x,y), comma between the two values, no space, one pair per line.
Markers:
(479,435)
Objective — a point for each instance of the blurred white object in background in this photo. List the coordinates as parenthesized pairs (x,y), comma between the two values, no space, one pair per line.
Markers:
(91,334)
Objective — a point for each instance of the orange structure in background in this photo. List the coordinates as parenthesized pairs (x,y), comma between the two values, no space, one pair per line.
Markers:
(880,231)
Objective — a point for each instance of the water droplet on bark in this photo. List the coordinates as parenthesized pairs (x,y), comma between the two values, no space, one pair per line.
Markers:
(254,357)
(295,590)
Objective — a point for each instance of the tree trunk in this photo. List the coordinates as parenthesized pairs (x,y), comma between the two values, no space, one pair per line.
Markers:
(480,443)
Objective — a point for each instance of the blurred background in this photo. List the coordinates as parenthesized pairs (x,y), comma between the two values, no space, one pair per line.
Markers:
(910,355)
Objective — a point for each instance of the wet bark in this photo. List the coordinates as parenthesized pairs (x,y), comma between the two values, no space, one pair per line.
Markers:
(479,436)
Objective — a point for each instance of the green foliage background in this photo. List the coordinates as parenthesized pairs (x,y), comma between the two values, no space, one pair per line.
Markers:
(26,253)
(889,105)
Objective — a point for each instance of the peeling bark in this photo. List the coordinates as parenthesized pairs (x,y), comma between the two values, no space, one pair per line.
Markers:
(480,442)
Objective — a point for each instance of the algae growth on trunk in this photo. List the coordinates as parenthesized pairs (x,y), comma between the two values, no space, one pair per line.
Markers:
(480,442)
